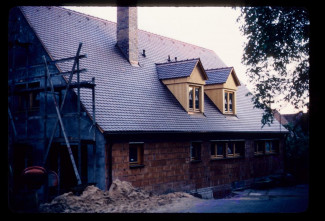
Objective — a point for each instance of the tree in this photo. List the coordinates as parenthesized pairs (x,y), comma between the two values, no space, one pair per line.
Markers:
(277,56)
(297,147)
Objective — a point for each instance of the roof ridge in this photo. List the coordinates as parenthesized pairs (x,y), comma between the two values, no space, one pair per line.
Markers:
(214,69)
(173,39)
(83,14)
(115,23)
(180,61)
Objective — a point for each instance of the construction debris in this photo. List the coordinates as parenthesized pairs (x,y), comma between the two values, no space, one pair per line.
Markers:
(122,197)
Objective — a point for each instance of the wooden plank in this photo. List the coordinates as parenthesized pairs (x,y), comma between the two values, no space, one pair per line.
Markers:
(83,84)
(28,79)
(50,62)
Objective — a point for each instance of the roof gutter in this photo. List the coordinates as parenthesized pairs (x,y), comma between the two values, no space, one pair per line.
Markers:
(183,136)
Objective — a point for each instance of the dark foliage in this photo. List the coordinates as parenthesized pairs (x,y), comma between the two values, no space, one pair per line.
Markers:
(277,55)
(297,148)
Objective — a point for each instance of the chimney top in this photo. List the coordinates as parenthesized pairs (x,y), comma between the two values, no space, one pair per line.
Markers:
(127,33)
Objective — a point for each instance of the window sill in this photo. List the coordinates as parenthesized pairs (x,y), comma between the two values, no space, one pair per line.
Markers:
(194,112)
(229,113)
(226,158)
(134,166)
(271,153)
(231,116)
(195,161)
(265,154)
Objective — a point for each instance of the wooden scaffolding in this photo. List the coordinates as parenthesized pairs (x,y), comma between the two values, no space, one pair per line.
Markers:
(23,84)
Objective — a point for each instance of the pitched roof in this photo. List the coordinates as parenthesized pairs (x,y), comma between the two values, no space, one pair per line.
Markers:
(177,69)
(219,75)
(133,98)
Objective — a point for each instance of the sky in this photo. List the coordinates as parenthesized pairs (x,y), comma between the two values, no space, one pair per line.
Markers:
(213,28)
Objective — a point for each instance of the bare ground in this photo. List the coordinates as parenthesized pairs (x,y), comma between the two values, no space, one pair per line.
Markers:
(122,197)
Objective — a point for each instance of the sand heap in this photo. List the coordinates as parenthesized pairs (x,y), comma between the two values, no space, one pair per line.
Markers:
(122,197)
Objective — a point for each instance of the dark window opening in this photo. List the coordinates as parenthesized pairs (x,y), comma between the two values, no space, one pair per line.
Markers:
(229,102)
(225,149)
(220,149)
(136,154)
(197,95)
(194,98)
(231,149)
(266,147)
(259,147)
(217,150)
(29,100)
(195,151)
(226,101)
(190,97)
(59,161)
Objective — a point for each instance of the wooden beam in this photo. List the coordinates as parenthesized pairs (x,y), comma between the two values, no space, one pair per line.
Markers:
(50,62)
(83,84)
(28,79)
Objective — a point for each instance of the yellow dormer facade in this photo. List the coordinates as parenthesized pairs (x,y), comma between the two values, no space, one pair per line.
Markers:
(223,95)
(189,91)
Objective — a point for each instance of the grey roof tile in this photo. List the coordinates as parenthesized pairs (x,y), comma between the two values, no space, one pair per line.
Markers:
(218,75)
(133,98)
(176,69)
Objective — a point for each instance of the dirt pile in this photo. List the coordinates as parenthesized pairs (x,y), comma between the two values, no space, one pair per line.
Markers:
(122,197)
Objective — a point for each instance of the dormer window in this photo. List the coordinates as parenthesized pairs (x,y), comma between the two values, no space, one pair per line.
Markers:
(221,89)
(190,95)
(229,101)
(194,98)
(185,80)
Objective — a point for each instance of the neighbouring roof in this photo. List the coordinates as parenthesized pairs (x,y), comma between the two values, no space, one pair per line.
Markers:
(133,98)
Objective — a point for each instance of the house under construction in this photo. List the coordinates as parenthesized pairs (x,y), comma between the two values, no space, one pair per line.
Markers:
(50,132)
(90,101)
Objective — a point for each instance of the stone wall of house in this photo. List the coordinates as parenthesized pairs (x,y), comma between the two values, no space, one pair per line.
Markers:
(167,167)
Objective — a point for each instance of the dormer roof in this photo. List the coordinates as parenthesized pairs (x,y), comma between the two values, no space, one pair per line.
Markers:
(220,75)
(179,69)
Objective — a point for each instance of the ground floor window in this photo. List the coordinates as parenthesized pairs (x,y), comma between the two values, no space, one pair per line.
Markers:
(227,149)
(266,147)
(218,149)
(135,154)
(195,151)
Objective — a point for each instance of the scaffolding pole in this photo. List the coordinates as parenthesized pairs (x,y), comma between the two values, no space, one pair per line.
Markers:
(61,123)
(63,100)
(94,128)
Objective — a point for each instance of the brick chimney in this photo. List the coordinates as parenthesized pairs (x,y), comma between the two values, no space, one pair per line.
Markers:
(127,33)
